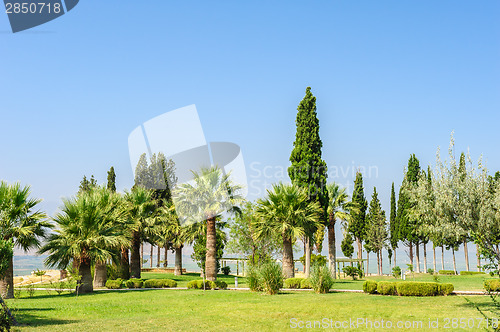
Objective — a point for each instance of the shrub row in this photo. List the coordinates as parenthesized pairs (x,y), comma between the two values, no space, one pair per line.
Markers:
(408,288)
(198,284)
(139,283)
(469,273)
(446,272)
(492,285)
(297,283)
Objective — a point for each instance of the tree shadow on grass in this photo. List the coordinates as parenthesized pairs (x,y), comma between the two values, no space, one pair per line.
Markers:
(29,317)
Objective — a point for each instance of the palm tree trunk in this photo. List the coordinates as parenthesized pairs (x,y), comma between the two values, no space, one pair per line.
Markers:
(7,282)
(142,255)
(100,274)
(478,258)
(158,257)
(178,261)
(135,256)
(124,264)
(151,256)
(411,253)
(434,257)
(85,283)
(425,257)
(211,258)
(442,257)
(417,256)
(367,261)
(308,255)
(331,247)
(165,262)
(360,248)
(288,266)
(454,261)
(466,252)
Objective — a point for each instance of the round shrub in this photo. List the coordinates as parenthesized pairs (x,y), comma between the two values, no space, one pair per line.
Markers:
(134,283)
(193,284)
(445,289)
(293,283)
(114,284)
(447,272)
(415,288)
(160,283)
(220,284)
(492,285)
(370,287)
(386,288)
(226,270)
(321,279)
(169,283)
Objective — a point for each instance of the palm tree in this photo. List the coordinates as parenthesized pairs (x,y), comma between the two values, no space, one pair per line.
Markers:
(171,233)
(21,223)
(141,208)
(211,193)
(339,207)
(287,212)
(90,228)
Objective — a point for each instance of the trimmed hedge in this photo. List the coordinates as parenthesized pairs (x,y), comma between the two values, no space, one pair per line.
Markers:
(134,283)
(492,285)
(114,284)
(198,284)
(445,289)
(160,283)
(469,273)
(446,272)
(370,287)
(416,288)
(305,284)
(386,288)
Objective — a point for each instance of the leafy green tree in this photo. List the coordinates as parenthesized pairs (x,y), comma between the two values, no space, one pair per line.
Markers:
(6,253)
(87,185)
(339,207)
(90,228)
(243,239)
(308,169)
(376,230)
(112,180)
(200,248)
(287,212)
(210,194)
(21,222)
(393,225)
(357,226)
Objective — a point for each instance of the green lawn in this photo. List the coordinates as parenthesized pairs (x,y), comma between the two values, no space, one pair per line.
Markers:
(196,310)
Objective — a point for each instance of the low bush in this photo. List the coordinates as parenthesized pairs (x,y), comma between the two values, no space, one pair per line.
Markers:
(305,284)
(198,284)
(226,270)
(353,272)
(253,280)
(445,289)
(321,279)
(134,283)
(396,272)
(447,272)
(492,285)
(293,283)
(160,283)
(470,273)
(221,284)
(270,277)
(370,287)
(416,288)
(114,284)
(430,271)
(386,288)
(5,320)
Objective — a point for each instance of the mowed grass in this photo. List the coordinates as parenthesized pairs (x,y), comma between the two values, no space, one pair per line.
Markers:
(196,310)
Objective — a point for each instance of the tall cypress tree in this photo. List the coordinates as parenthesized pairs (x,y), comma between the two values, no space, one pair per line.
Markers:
(308,170)
(357,226)
(406,224)
(376,230)
(393,225)
(112,179)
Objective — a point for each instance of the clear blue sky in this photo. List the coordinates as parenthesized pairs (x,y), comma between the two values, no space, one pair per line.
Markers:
(391,78)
